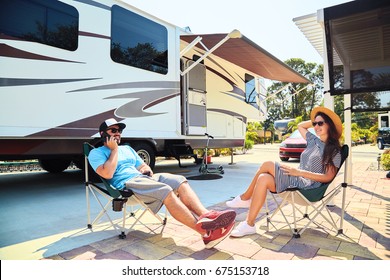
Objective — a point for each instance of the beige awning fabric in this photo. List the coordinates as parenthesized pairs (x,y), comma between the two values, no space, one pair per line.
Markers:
(248,55)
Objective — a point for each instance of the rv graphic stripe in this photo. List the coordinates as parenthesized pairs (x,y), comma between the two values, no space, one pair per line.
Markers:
(151,84)
(94,35)
(8,51)
(80,128)
(9,82)
(146,99)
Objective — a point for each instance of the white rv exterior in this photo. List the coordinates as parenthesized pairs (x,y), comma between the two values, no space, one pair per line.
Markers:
(87,61)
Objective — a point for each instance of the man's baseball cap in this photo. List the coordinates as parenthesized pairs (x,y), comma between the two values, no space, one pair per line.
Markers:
(110,122)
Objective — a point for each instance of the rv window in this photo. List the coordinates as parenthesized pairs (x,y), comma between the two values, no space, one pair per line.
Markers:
(139,42)
(250,89)
(51,23)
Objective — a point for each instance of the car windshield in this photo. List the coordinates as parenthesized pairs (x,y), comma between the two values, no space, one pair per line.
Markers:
(296,133)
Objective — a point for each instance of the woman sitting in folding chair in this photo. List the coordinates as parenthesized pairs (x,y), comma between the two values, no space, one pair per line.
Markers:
(318,164)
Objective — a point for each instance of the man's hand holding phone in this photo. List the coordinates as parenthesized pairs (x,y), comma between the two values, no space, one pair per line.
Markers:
(110,141)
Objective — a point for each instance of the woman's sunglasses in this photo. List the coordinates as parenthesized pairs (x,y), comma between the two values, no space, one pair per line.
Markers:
(320,123)
(115,130)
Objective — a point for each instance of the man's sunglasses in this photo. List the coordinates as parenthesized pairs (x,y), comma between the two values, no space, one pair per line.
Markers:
(320,123)
(115,130)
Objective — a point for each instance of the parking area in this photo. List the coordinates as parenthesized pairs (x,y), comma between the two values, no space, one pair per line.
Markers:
(43,216)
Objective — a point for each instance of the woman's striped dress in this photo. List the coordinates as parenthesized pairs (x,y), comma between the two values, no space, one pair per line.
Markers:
(311,160)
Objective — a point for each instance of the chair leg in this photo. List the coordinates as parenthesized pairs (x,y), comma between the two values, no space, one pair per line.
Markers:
(123,234)
(294,215)
(344,186)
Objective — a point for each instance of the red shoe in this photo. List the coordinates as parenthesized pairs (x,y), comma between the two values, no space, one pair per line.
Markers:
(215,219)
(213,237)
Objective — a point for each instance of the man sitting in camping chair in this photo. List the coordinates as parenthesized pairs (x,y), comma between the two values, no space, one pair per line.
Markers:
(319,164)
(124,169)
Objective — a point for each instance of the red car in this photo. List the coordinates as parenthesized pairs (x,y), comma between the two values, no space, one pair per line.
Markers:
(293,146)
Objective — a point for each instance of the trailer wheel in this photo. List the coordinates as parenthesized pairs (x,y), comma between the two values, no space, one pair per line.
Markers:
(146,152)
(54,165)
(79,162)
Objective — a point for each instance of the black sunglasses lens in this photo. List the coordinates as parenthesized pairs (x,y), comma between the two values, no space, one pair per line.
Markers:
(114,130)
(320,123)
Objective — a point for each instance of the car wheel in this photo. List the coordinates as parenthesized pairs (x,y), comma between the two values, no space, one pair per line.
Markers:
(381,146)
(284,158)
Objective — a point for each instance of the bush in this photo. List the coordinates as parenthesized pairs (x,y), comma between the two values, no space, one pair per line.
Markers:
(249,144)
(251,136)
(385,160)
(222,152)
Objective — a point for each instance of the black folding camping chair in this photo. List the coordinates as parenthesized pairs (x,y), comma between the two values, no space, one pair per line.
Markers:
(118,200)
(315,199)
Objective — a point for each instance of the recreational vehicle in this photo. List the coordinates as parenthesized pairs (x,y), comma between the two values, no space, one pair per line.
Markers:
(66,66)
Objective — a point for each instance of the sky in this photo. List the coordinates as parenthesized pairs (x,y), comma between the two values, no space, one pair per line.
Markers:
(268,23)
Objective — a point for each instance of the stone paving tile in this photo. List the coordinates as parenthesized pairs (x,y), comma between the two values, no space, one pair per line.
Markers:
(358,258)
(183,250)
(356,250)
(323,258)
(235,246)
(177,256)
(85,256)
(114,243)
(147,251)
(281,240)
(382,229)
(269,245)
(239,258)
(162,240)
(203,254)
(300,250)
(383,243)
(220,255)
(380,253)
(189,240)
(323,243)
(54,258)
(334,255)
(117,255)
(367,241)
(197,246)
(266,254)
(78,251)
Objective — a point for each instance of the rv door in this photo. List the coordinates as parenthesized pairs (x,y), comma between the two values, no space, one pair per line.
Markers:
(194,100)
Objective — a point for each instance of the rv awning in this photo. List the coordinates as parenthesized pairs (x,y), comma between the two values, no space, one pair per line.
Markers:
(357,42)
(248,55)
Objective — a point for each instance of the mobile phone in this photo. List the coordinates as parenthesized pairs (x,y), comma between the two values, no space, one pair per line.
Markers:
(104,136)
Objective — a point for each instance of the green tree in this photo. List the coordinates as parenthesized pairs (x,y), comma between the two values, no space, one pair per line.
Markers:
(297,99)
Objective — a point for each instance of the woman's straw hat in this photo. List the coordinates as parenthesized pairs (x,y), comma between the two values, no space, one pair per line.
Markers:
(332,115)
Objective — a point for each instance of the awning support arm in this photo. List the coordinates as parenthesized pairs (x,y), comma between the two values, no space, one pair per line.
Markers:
(234,34)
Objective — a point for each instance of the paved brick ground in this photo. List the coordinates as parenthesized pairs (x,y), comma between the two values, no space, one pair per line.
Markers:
(366,233)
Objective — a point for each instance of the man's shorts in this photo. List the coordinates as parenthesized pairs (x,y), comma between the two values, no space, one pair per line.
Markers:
(153,190)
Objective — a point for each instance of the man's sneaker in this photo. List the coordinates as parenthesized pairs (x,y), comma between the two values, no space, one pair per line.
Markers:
(237,202)
(215,219)
(213,237)
(243,229)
